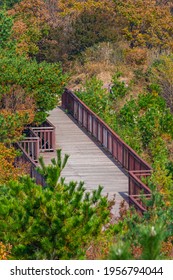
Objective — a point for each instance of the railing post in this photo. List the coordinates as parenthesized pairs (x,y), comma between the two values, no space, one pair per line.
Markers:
(53,139)
(37,149)
(64,101)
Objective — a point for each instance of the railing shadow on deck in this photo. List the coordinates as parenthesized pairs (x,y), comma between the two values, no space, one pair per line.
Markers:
(128,159)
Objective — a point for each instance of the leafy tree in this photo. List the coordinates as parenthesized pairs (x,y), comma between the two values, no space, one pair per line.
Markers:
(75,7)
(41,83)
(11,126)
(8,3)
(27,90)
(76,25)
(8,169)
(16,110)
(55,222)
(151,27)
(30,25)
(98,25)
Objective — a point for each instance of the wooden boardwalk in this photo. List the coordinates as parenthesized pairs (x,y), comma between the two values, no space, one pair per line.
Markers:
(88,162)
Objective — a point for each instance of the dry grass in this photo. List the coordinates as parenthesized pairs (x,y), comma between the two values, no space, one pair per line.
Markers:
(106,59)
(100,61)
(83,73)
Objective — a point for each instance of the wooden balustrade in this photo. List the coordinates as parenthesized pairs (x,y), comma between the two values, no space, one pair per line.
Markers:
(138,190)
(36,140)
(31,166)
(30,144)
(120,151)
(46,134)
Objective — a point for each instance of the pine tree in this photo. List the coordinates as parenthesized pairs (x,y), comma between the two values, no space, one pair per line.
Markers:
(53,171)
(55,222)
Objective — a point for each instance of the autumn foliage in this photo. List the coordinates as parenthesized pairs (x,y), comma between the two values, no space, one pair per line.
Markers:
(8,169)
(151,27)
(30,18)
(5,251)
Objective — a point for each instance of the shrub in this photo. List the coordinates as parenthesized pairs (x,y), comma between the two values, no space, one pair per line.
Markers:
(136,56)
(55,222)
(118,88)
(42,82)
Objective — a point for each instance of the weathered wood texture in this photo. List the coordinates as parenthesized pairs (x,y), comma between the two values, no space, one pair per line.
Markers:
(88,162)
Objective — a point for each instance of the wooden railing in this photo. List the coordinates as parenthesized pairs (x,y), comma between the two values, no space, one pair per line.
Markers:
(46,134)
(30,144)
(36,140)
(138,191)
(30,166)
(120,151)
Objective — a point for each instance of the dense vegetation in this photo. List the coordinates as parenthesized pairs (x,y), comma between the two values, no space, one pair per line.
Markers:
(118,56)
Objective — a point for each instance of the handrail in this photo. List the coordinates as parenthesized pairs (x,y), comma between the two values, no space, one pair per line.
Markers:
(38,139)
(46,134)
(143,186)
(39,179)
(112,142)
(25,155)
(30,145)
(66,106)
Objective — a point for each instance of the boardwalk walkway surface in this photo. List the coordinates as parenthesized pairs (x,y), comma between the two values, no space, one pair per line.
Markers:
(88,162)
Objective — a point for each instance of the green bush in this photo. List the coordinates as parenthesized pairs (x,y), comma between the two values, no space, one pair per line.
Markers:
(142,237)
(43,82)
(8,3)
(118,89)
(55,222)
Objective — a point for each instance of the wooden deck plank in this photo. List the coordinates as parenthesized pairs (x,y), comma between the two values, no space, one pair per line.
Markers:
(88,162)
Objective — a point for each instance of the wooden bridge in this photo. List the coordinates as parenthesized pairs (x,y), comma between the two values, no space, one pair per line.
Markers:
(98,156)
(88,161)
